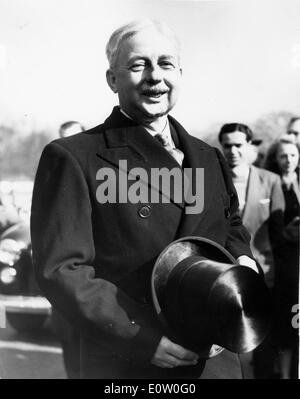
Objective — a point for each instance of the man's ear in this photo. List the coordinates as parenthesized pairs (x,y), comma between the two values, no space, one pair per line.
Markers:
(111,80)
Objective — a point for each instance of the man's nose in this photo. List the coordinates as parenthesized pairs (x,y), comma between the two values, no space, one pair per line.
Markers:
(154,74)
(233,149)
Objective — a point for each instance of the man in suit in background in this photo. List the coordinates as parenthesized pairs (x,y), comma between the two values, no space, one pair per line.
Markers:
(96,233)
(261,201)
(261,207)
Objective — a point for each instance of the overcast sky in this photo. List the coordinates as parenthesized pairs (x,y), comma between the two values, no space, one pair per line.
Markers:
(241,59)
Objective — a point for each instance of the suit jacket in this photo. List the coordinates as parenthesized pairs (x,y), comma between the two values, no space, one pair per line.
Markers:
(94,261)
(263,216)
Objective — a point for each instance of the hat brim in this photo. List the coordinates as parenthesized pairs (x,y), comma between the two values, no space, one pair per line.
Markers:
(174,253)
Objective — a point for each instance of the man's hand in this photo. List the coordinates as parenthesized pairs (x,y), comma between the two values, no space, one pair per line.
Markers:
(169,355)
(244,260)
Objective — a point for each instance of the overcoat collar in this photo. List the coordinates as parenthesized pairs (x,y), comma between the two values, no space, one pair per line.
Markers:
(127,140)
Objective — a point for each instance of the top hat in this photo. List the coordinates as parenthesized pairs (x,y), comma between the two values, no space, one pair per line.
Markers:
(206,301)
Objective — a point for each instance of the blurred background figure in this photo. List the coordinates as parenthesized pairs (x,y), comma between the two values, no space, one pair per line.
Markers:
(261,208)
(293,129)
(283,159)
(68,336)
(9,216)
(69,128)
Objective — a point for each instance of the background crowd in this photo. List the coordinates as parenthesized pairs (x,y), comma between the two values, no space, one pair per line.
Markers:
(268,191)
(267,182)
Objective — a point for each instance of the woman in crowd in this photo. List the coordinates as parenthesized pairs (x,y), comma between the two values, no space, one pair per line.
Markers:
(283,158)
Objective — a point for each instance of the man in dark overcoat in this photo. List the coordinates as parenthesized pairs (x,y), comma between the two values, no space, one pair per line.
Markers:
(98,228)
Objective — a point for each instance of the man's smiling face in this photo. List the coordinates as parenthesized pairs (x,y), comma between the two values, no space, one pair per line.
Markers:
(146,75)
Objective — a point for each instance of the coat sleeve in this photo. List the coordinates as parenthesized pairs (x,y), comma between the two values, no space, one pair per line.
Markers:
(63,256)
(238,238)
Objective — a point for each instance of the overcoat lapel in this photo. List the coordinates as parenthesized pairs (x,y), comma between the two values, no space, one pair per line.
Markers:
(127,141)
(251,195)
(196,155)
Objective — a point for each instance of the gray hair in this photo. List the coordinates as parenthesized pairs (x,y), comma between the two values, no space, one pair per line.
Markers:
(124,32)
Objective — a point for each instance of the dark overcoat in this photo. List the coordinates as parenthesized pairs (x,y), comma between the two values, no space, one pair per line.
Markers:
(94,260)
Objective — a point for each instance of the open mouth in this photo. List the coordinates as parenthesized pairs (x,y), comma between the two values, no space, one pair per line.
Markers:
(153,94)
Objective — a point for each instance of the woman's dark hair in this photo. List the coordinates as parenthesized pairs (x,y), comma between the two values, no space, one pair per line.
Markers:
(270,162)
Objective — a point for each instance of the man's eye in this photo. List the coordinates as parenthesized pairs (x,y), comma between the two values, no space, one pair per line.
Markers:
(167,65)
(137,67)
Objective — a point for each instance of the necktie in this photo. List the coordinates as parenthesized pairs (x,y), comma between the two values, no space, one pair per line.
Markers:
(175,152)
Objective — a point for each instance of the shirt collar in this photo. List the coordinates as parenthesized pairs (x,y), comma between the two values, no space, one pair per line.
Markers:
(166,131)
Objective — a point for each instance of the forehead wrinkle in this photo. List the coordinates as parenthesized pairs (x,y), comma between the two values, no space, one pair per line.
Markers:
(133,49)
(291,146)
(137,56)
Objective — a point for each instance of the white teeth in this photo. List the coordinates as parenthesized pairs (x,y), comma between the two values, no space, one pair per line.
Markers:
(153,95)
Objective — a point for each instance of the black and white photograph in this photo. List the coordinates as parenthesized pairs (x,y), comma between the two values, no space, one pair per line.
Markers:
(149,192)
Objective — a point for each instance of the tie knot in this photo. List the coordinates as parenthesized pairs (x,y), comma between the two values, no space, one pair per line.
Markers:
(163,139)
(174,152)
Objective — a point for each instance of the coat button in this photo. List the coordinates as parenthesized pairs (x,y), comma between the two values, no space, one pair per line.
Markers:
(145,211)
(227,212)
